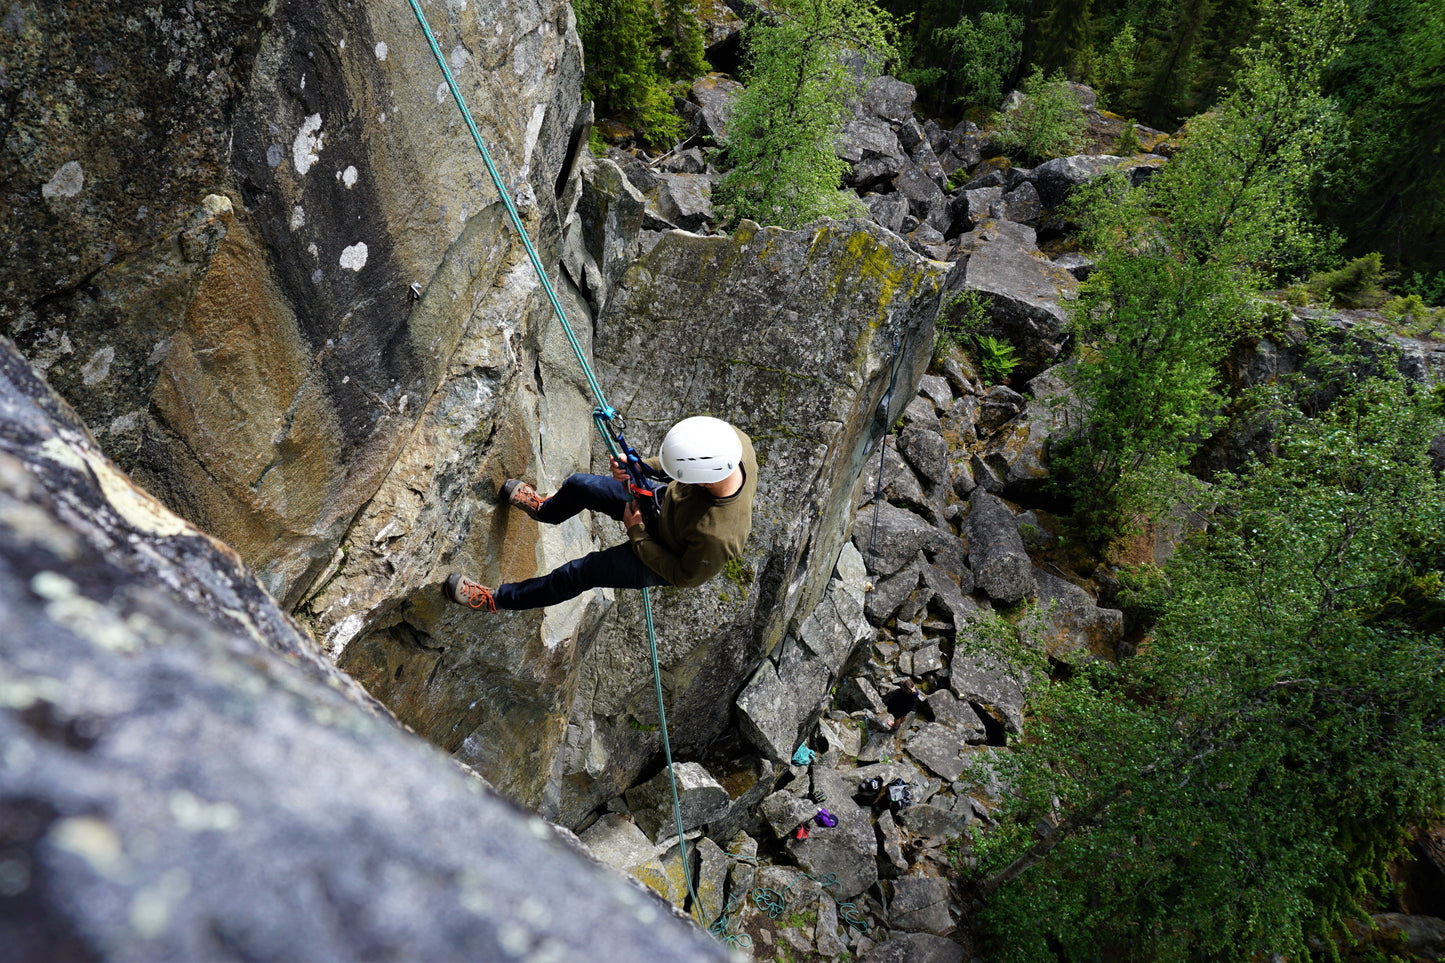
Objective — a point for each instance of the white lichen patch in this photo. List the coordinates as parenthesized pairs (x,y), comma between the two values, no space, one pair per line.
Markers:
(97,369)
(348,177)
(354,257)
(342,633)
(136,507)
(442,92)
(196,815)
(68,181)
(152,906)
(381,50)
(217,205)
(298,217)
(306,149)
(92,840)
(459,57)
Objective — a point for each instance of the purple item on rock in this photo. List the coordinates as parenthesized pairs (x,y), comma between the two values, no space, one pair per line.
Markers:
(826,818)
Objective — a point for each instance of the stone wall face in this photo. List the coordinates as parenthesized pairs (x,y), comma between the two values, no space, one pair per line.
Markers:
(275,178)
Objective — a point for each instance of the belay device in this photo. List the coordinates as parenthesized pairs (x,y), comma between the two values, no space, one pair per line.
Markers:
(644,480)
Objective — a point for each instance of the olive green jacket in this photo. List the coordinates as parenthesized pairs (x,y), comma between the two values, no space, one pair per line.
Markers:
(697,532)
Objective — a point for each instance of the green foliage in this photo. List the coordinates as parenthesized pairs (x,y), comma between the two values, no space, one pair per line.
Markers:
(684,33)
(1386,188)
(1356,285)
(1178,261)
(1412,317)
(963,315)
(1429,288)
(1128,143)
(798,93)
(621,42)
(995,358)
(983,50)
(1238,786)
(1048,123)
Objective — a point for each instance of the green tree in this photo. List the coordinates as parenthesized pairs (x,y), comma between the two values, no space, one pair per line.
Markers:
(798,93)
(622,77)
(1047,123)
(983,49)
(1179,261)
(679,22)
(1386,192)
(1238,786)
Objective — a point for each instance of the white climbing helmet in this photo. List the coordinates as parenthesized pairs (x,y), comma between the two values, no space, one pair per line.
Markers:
(701,450)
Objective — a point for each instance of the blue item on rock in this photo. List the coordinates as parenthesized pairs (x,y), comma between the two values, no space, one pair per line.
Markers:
(803,757)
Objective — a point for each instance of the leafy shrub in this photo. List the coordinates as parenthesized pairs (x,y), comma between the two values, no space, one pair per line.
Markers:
(1430,288)
(963,315)
(1049,122)
(996,358)
(1412,316)
(1128,143)
(1356,285)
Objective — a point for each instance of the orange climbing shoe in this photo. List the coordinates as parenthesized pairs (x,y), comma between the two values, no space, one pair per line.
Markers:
(523,496)
(464,591)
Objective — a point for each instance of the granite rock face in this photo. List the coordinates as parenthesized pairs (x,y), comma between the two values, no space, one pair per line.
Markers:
(186,777)
(234,316)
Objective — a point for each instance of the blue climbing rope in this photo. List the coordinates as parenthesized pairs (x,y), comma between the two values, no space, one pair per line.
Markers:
(603,416)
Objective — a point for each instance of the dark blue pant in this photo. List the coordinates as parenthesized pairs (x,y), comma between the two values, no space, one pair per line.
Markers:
(616,567)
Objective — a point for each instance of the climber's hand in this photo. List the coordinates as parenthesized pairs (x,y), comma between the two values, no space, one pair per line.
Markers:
(619,471)
(632,515)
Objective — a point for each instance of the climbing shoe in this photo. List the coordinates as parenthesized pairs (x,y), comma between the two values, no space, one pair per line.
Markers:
(464,591)
(522,496)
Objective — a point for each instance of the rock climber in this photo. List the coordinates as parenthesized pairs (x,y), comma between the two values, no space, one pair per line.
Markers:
(900,702)
(704,517)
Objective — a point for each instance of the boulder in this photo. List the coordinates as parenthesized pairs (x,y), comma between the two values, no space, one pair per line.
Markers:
(1024,291)
(914,948)
(996,553)
(987,683)
(887,209)
(890,593)
(941,819)
(891,863)
(714,95)
(927,453)
(602,233)
(617,841)
(857,694)
(188,777)
(921,413)
(900,536)
(920,905)
(924,196)
(1070,625)
(940,748)
(950,595)
(863,137)
(949,711)
(1022,205)
(689,161)
(889,99)
(700,799)
(899,484)
(785,811)
(777,702)
(1001,404)
(936,389)
(848,850)
(685,199)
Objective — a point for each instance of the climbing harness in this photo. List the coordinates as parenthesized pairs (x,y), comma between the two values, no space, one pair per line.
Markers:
(604,416)
(645,481)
